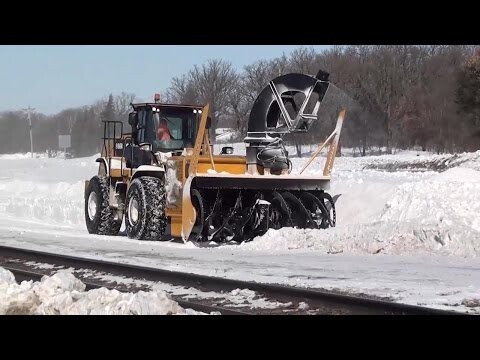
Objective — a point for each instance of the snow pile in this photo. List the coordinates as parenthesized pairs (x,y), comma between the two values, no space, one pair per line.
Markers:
(59,202)
(15,156)
(36,155)
(451,198)
(434,213)
(63,294)
(247,297)
(375,238)
(50,190)
(469,160)
(6,277)
(424,162)
(173,186)
(226,134)
(405,161)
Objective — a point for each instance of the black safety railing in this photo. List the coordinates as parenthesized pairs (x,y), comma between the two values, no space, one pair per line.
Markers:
(127,140)
(115,143)
(112,136)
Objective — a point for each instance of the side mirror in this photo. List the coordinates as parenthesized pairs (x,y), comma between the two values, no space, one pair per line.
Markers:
(227,150)
(133,119)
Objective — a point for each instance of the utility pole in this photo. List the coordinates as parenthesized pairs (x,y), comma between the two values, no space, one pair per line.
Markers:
(29,111)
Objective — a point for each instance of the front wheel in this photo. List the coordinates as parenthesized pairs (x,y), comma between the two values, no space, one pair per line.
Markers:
(99,217)
(145,217)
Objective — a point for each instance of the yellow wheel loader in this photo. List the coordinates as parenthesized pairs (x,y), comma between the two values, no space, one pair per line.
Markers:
(165,181)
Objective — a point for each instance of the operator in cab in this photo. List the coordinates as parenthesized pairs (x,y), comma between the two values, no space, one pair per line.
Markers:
(168,133)
(163,132)
(164,139)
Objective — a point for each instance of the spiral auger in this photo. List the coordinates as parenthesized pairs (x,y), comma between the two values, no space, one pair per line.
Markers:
(239,216)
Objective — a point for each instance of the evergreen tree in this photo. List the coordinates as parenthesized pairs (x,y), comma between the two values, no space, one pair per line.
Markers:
(108,113)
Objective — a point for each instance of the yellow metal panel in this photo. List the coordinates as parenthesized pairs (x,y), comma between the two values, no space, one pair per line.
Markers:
(175,215)
(228,159)
(172,211)
(229,168)
(189,214)
(327,171)
(176,226)
(115,173)
(199,141)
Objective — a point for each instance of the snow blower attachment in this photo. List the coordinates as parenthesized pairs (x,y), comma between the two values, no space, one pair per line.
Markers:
(164,179)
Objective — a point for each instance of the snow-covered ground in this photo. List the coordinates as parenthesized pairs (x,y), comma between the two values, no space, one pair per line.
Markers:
(411,235)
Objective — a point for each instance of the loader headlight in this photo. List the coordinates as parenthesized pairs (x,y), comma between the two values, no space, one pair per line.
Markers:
(146,147)
(227,150)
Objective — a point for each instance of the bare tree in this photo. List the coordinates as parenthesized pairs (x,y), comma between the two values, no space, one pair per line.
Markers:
(121,105)
(182,90)
(210,83)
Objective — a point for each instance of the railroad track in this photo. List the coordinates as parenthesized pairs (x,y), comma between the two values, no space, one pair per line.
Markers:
(323,302)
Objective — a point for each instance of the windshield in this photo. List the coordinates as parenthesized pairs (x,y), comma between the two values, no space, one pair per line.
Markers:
(171,129)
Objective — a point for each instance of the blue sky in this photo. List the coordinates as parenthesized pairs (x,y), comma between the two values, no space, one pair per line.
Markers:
(51,78)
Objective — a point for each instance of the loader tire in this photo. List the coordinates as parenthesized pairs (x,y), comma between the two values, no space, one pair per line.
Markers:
(145,217)
(99,217)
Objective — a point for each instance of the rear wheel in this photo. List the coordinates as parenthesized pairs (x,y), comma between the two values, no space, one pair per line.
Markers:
(145,209)
(99,217)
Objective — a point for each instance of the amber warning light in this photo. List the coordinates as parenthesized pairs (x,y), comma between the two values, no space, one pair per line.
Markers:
(157,98)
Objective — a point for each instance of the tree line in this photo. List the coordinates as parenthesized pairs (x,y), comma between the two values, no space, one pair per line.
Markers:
(401,96)
(84,124)
(397,97)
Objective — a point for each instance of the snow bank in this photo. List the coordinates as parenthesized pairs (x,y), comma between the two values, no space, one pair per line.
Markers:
(50,190)
(405,161)
(376,238)
(54,203)
(451,198)
(63,294)
(15,156)
(408,161)
(434,213)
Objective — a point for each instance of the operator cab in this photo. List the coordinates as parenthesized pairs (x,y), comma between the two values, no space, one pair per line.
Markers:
(165,127)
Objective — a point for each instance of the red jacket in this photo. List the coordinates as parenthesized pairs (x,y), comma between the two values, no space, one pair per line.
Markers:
(163,132)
